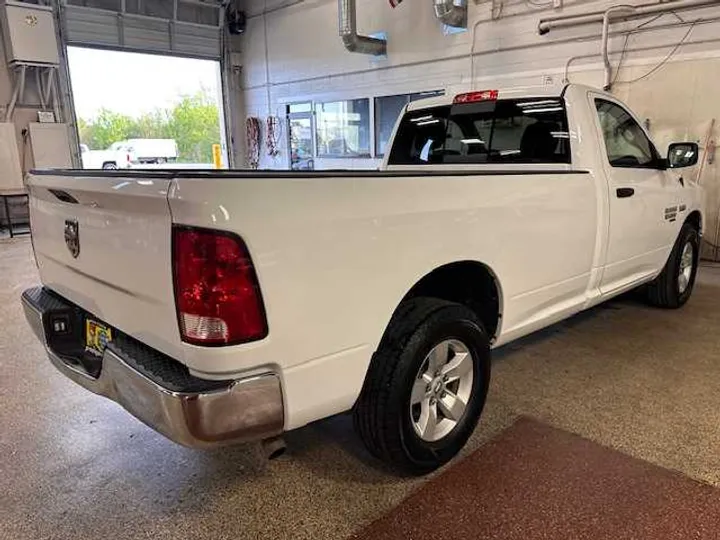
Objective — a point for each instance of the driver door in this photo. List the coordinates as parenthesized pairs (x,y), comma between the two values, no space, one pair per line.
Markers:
(640,194)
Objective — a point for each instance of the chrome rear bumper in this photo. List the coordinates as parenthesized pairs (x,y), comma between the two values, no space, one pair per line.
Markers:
(156,389)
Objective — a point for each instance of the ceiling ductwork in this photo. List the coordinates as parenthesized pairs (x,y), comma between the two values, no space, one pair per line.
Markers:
(452,12)
(355,43)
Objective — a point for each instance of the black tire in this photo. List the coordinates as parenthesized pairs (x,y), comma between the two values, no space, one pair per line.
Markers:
(665,291)
(109,166)
(382,414)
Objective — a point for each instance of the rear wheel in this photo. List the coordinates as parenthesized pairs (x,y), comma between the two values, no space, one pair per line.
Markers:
(109,166)
(426,386)
(673,287)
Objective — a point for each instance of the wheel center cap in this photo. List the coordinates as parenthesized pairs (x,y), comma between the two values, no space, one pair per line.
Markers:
(437,386)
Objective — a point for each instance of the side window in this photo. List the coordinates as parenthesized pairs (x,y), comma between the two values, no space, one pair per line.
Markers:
(530,130)
(625,141)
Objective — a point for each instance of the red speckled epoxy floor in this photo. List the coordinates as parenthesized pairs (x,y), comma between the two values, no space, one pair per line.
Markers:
(534,481)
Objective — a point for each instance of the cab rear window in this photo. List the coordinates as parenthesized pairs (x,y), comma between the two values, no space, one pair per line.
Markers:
(505,131)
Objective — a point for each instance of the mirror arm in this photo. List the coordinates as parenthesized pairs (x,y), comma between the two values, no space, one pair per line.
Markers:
(663,164)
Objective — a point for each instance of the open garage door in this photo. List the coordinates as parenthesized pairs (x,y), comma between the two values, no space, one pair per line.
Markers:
(179,27)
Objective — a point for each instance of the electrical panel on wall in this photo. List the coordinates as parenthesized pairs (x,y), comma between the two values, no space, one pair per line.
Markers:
(50,144)
(28,33)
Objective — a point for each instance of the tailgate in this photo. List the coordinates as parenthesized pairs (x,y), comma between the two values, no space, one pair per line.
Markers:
(103,241)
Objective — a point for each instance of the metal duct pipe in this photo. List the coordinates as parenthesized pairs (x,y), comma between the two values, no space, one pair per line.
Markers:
(452,12)
(605,38)
(550,23)
(347,15)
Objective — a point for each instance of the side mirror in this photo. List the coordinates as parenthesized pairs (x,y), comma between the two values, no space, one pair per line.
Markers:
(683,154)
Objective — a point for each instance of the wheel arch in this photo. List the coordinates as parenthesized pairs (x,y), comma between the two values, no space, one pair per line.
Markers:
(695,218)
(468,282)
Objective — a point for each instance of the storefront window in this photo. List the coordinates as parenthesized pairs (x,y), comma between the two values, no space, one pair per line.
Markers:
(343,128)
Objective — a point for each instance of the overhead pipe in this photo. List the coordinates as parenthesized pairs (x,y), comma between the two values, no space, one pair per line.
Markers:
(605,38)
(452,12)
(355,43)
(564,21)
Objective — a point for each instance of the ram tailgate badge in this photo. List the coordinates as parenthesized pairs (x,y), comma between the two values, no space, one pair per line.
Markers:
(72,237)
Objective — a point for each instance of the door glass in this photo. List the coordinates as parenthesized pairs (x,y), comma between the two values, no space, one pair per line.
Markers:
(301,154)
(625,141)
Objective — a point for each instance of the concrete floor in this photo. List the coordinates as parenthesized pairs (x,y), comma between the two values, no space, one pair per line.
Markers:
(74,465)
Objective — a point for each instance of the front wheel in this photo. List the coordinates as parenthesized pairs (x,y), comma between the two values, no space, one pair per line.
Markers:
(109,166)
(673,287)
(426,386)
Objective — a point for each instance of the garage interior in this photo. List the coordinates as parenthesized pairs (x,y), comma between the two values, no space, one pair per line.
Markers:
(602,426)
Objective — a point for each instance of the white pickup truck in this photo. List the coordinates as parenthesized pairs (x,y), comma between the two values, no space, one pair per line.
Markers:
(115,157)
(232,306)
(128,153)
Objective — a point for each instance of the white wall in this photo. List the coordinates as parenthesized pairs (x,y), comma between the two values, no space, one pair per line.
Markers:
(307,61)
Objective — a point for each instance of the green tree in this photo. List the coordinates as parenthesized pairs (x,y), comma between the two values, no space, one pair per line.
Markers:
(194,123)
(107,128)
(152,125)
(84,129)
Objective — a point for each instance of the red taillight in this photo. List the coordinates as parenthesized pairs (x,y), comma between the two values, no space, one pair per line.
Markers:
(128,158)
(216,290)
(472,97)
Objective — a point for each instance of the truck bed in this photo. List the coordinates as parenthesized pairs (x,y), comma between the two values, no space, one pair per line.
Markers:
(334,252)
